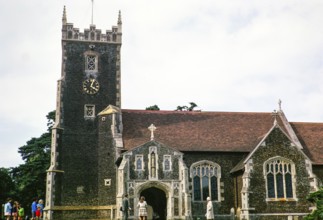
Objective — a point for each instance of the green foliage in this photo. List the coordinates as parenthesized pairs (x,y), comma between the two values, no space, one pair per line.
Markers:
(317,199)
(30,177)
(7,186)
(186,108)
(153,107)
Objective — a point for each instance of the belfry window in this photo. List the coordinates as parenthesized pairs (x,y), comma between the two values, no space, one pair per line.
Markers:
(206,178)
(91,61)
(279,175)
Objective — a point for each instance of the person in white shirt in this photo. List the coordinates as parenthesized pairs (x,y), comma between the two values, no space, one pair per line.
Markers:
(142,205)
(209,209)
(7,209)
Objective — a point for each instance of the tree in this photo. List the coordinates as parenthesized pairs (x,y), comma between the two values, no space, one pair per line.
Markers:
(153,107)
(192,106)
(317,199)
(7,186)
(186,108)
(30,177)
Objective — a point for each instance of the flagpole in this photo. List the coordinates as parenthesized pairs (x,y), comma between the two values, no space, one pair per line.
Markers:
(92,14)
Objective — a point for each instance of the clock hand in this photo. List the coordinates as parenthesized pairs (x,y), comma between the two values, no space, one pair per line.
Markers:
(93,86)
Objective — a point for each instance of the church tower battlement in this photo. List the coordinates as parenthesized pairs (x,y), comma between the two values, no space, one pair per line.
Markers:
(69,32)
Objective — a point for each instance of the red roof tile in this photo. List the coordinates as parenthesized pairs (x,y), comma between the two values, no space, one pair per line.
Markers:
(196,131)
(211,131)
(311,137)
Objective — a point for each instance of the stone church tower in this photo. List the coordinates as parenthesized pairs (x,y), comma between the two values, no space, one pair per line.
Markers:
(77,183)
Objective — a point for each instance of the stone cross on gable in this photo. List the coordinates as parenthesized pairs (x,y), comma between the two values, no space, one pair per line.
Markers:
(152,128)
(280,105)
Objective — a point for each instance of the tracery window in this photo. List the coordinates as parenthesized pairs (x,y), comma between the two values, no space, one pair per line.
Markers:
(279,174)
(206,177)
(91,61)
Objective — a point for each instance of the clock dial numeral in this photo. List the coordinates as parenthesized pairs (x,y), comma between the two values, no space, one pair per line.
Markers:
(91,86)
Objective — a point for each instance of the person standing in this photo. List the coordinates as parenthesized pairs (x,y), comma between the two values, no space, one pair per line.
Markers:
(21,212)
(142,205)
(14,210)
(125,207)
(7,209)
(41,205)
(38,213)
(34,209)
(209,209)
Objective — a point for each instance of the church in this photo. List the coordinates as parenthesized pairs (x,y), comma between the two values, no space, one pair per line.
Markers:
(253,165)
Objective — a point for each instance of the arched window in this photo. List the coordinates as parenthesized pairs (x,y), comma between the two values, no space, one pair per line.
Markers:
(206,177)
(279,174)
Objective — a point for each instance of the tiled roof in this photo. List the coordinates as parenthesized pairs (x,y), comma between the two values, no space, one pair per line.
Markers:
(196,131)
(210,131)
(311,137)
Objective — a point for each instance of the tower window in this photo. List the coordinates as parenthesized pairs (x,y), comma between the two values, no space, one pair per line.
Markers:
(91,62)
(206,178)
(89,111)
(279,175)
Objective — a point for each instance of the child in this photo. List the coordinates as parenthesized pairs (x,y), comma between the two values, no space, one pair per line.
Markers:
(38,213)
(21,212)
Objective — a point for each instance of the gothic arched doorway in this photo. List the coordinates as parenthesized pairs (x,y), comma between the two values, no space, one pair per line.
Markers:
(157,199)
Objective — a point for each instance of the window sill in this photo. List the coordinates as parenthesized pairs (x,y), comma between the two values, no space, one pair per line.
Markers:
(281,200)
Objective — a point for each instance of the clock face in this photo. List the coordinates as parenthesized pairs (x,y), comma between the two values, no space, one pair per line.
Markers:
(91,86)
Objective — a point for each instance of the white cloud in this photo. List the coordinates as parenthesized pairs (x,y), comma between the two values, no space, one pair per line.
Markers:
(223,55)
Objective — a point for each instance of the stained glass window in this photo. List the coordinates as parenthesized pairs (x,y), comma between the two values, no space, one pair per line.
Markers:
(289,188)
(205,180)
(197,188)
(271,185)
(279,178)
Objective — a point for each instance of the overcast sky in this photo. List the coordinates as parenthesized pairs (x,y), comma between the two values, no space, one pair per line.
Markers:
(223,55)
